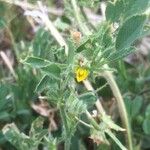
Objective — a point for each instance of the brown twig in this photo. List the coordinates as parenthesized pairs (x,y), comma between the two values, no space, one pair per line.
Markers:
(8,63)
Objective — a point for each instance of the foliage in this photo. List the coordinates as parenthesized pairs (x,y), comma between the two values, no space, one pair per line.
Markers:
(48,78)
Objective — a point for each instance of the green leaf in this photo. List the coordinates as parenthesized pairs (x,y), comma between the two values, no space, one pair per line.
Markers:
(60,24)
(71,53)
(136,106)
(36,62)
(146,126)
(133,106)
(4,116)
(13,135)
(136,7)
(130,31)
(2,22)
(116,55)
(145,33)
(37,125)
(114,10)
(37,132)
(51,142)
(147,112)
(128,104)
(2,138)
(120,10)
(5,102)
(23,112)
(43,45)
(52,70)
(106,53)
(74,105)
(88,98)
(82,46)
(46,82)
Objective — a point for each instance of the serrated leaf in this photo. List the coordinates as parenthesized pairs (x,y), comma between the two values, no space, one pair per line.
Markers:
(106,53)
(45,82)
(52,70)
(36,62)
(130,31)
(88,98)
(37,132)
(74,105)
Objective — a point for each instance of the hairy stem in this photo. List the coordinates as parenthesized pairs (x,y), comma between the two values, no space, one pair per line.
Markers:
(65,124)
(121,106)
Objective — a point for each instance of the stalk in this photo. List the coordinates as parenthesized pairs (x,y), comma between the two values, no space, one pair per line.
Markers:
(121,106)
(67,136)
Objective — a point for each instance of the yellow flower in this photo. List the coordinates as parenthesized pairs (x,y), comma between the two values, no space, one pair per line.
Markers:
(81,74)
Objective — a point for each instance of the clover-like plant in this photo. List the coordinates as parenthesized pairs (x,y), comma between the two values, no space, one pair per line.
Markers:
(67,69)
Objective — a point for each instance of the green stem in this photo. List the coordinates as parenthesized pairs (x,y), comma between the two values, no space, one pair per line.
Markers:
(116,140)
(67,143)
(110,79)
(92,121)
(66,128)
(122,69)
(121,106)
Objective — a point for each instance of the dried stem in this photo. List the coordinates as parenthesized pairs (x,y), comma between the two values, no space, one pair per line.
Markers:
(55,33)
(89,87)
(8,63)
